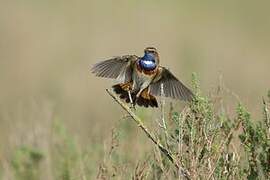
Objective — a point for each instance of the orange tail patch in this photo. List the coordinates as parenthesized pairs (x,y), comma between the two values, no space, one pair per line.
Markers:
(122,90)
(145,99)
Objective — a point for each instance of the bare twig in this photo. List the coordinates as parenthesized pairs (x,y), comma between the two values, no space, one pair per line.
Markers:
(221,147)
(181,119)
(162,104)
(138,121)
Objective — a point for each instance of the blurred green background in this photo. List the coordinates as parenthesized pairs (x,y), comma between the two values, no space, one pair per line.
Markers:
(48,47)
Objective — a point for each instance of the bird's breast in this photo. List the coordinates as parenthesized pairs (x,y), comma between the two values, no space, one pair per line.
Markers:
(142,78)
(145,71)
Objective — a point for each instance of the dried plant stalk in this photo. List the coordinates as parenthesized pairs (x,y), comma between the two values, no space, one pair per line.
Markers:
(139,122)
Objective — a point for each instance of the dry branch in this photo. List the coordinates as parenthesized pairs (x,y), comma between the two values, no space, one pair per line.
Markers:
(139,122)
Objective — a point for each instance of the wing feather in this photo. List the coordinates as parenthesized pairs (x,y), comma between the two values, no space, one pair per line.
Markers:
(171,85)
(116,68)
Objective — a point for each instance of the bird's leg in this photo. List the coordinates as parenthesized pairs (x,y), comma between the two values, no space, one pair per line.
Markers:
(138,95)
(128,87)
(131,101)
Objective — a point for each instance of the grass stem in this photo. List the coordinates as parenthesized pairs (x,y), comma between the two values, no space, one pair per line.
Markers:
(140,124)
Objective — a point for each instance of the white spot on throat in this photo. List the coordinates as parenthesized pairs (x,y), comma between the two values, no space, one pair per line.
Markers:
(148,62)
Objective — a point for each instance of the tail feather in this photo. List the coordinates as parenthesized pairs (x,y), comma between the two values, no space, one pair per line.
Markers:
(140,101)
(123,94)
(147,102)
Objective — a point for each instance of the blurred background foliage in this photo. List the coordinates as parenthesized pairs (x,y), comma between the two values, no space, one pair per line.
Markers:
(48,47)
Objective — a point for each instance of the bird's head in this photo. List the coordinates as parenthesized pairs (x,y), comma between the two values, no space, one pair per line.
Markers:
(150,60)
(151,53)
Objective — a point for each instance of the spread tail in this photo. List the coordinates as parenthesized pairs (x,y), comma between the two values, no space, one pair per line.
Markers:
(144,99)
(123,93)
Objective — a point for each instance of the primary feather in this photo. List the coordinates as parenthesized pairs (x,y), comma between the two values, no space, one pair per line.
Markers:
(172,87)
(116,68)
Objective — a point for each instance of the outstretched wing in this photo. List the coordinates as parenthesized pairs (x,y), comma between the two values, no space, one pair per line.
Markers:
(116,68)
(172,87)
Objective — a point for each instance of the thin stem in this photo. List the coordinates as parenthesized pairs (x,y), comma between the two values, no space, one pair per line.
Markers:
(221,147)
(138,121)
(164,125)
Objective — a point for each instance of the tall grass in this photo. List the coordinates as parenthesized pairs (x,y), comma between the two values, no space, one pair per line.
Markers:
(207,142)
(210,144)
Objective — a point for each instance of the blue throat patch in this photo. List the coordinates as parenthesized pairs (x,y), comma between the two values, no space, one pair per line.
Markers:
(148,62)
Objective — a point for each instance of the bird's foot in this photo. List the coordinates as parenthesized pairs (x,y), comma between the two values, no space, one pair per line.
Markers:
(132,107)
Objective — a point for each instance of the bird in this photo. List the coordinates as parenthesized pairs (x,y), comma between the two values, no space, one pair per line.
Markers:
(142,79)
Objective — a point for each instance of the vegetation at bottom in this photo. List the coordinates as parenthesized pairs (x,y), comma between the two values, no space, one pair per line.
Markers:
(207,142)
